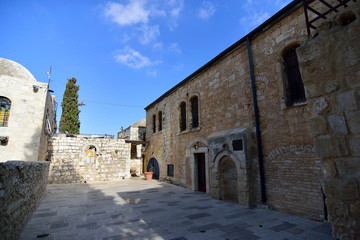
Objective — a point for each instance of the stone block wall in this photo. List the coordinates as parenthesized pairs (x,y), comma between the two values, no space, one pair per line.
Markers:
(76,159)
(22,186)
(330,67)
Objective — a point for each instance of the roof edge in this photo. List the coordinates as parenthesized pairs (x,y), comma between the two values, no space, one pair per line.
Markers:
(277,17)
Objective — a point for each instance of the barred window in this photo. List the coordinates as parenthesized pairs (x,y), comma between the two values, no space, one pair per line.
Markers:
(5,105)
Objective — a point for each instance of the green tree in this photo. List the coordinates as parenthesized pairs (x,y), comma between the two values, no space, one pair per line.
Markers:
(69,121)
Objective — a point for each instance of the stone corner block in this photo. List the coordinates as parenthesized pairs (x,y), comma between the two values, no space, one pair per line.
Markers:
(346,101)
(318,126)
(337,124)
(353,120)
(331,146)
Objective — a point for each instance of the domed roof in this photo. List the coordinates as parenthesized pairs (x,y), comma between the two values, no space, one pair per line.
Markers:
(14,69)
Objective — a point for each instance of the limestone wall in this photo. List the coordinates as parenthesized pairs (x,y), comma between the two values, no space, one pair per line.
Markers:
(330,66)
(30,101)
(292,168)
(22,186)
(76,159)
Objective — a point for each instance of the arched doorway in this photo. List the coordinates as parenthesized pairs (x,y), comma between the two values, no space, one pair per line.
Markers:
(228,180)
(153,163)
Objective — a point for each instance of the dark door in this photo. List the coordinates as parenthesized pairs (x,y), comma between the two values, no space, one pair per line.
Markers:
(200,160)
(153,163)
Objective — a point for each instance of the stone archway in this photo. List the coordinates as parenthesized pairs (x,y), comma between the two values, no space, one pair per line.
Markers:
(154,166)
(228,186)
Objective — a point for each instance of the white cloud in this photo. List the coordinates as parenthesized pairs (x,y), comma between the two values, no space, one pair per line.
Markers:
(132,58)
(175,8)
(149,33)
(158,45)
(152,73)
(132,13)
(254,19)
(175,48)
(206,11)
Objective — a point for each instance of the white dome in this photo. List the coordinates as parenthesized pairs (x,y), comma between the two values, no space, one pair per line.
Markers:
(14,69)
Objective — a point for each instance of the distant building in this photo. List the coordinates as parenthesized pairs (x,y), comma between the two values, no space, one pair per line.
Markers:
(135,134)
(27,114)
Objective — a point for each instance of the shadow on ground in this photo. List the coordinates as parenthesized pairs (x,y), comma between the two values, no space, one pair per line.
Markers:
(139,209)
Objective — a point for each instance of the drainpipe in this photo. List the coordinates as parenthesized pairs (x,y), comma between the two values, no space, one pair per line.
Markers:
(257,124)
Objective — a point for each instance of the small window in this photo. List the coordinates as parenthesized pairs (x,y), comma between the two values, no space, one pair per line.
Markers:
(5,105)
(170,170)
(195,112)
(183,116)
(295,92)
(154,123)
(160,121)
(237,145)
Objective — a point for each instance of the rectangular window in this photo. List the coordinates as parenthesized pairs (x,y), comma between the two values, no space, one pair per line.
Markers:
(170,170)
(160,121)
(182,116)
(295,86)
(237,145)
(195,112)
(154,123)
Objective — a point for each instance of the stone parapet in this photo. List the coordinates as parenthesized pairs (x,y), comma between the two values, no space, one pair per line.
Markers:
(22,186)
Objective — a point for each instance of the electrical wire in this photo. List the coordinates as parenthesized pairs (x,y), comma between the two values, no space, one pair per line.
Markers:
(106,103)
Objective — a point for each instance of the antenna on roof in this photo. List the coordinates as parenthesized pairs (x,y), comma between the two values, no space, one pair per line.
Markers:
(49,78)
(49,74)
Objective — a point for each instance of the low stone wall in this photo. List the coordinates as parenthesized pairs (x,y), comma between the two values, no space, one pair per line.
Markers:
(22,186)
(79,159)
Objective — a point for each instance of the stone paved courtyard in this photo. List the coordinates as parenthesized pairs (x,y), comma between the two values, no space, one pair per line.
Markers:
(139,209)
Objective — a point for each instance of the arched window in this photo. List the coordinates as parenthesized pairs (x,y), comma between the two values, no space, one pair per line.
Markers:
(194,112)
(154,123)
(183,116)
(295,92)
(5,105)
(160,121)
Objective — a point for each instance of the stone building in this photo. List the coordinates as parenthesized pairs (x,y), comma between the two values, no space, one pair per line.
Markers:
(259,124)
(27,114)
(135,135)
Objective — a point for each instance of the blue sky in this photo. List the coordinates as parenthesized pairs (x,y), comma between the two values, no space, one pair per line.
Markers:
(123,53)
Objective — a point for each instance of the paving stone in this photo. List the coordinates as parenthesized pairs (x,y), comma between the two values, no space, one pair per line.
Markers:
(59,225)
(40,215)
(282,227)
(196,216)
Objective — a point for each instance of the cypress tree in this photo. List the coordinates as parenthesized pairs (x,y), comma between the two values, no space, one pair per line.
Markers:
(69,121)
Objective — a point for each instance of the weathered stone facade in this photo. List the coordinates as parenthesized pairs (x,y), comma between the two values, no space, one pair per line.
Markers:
(22,186)
(31,118)
(76,159)
(292,163)
(135,133)
(333,59)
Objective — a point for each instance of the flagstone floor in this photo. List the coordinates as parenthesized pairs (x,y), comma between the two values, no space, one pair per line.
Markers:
(144,210)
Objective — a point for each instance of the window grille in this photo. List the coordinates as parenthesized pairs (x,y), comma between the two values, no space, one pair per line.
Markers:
(5,105)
